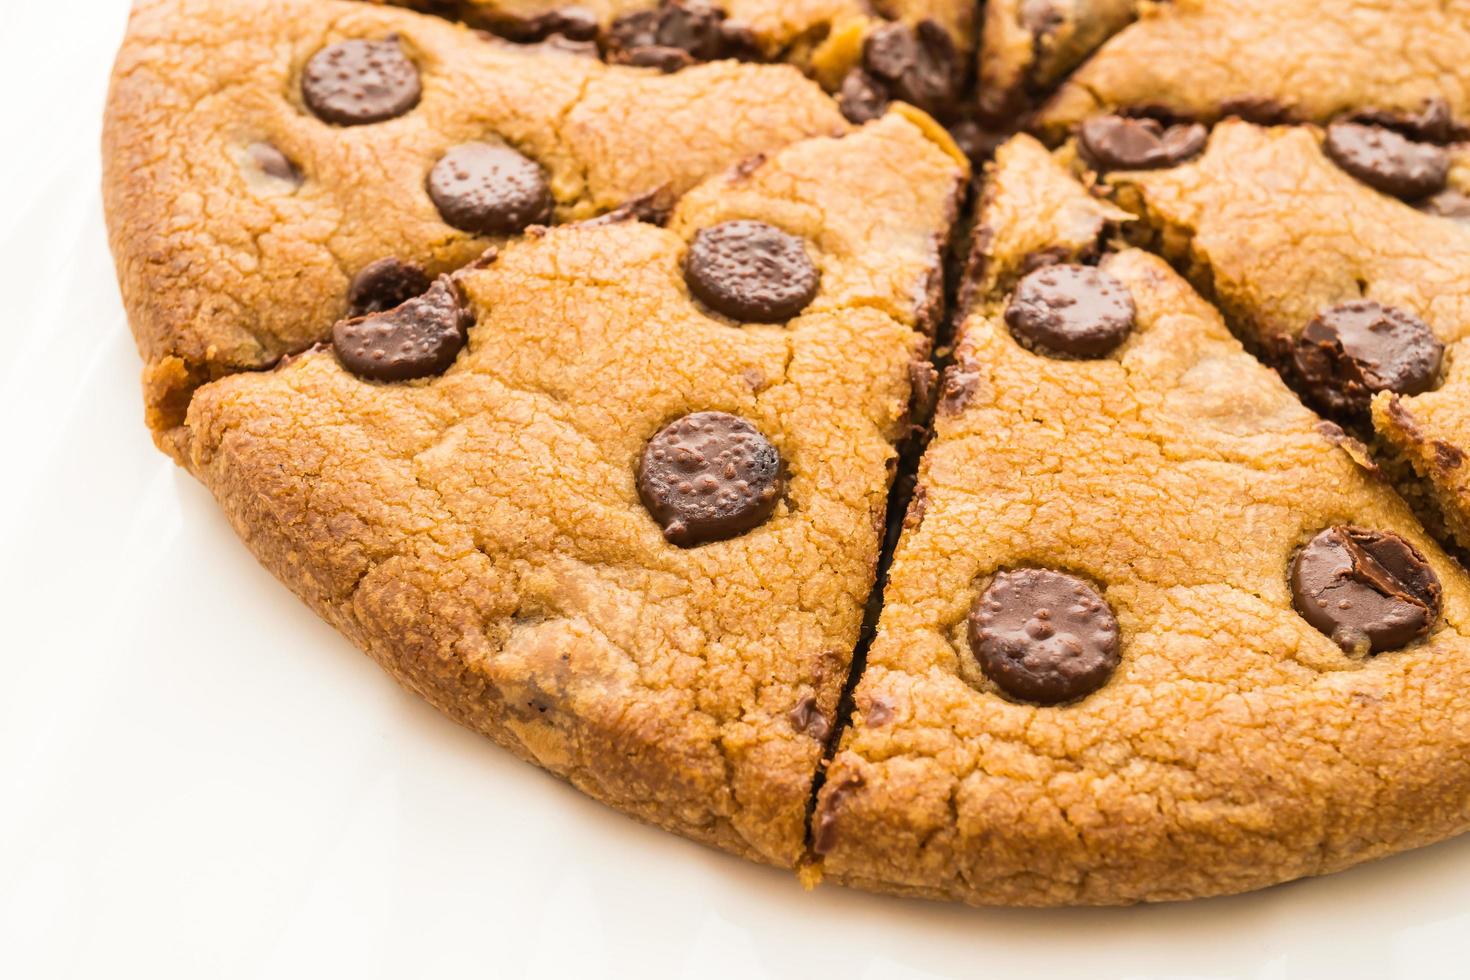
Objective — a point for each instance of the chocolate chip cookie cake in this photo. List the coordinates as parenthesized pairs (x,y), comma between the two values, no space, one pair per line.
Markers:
(1011,452)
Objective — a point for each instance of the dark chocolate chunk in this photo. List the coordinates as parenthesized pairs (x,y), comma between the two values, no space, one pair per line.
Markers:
(917,64)
(1388,161)
(414,340)
(751,271)
(384,284)
(355,82)
(676,34)
(1070,310)
(709,476)
(1124,143)
(1368,590)
(490,189)
(273,163)
(1044,636)
(1357,349)
(862,98)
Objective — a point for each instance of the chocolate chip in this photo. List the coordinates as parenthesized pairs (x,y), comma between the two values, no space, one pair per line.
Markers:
(709,476)
(273,163)
(1040,17)
(958,386)
(384,284)
(807,719)
(489,189)
(917,64)
(1263,110)
(571,23)
(751,271)
(862,98)
(1123,143)
(824,821)
(1388,161)
(1435,123)
(1369,591)
(355,82)
(1044,636)
(676,34)
(1070,310)
(1357,349)
(1447,204)
(414,340)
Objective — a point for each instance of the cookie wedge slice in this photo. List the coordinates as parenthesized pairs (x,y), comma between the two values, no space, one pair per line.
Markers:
(913,50)
(259,158)
(623,534)
(1090,683)
(1029,46)
(1291,244)
(1272,61)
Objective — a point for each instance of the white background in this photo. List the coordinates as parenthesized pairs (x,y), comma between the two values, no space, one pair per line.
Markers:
(199,779)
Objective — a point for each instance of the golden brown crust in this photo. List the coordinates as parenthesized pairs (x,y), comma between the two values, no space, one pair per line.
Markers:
(223,268)
(1202,59)
(480,534)
(1235,746)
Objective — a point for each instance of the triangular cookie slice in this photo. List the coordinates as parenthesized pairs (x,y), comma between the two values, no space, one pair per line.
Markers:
(1271,61)
(269,165)
(628,530)
(915,51)
(1152,631)
(1358,296)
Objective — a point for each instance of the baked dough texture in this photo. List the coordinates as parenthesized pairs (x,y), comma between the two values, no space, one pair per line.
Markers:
(811,670)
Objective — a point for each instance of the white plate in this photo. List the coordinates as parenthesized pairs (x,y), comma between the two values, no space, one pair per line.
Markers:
(199,779)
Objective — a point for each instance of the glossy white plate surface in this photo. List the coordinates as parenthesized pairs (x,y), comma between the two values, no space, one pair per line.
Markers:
(199,779)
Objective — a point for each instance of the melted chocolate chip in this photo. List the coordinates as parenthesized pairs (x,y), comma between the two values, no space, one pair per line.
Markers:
(676,34)
(1355,350)
(414,340)
(958,386)
(916,64)
(355,82)
(384,284)
(862,98)
(709,476)
(751,271)
(489,189)
(807,719)
(1447,204)
(571,23)
(1370,591)
(1070,310)
(1435,123)
(273,163)
(1123,143)
(1044,636)
(824,822)
(1388,161)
